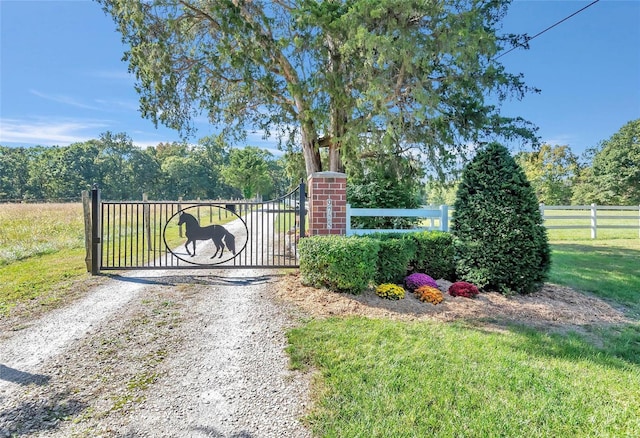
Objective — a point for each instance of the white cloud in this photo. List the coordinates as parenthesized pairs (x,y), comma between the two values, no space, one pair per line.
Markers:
(49,132)
(66,100)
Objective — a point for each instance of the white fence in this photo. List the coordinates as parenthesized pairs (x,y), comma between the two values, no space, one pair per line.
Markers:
(567,217)
(433,214)
(591,217)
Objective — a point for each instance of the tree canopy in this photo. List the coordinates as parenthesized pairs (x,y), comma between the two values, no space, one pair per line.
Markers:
(551,170)
(416,75)
(614,177)
(124,171)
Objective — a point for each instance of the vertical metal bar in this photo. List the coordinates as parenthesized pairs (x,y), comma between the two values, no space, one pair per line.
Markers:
(119,235)
(127,236)
(113,236)
(95,229)
(138,234)
(156,246)
(107,226)
(303,211)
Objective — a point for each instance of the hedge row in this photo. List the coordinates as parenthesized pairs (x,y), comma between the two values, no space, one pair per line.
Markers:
(351,264)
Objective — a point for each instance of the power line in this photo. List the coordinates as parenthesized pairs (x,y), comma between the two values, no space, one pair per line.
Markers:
(548,28)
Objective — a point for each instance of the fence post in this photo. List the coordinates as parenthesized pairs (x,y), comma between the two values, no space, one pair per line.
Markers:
(444,217)
(594,221)
(86,208)
(303,208)
(95,230)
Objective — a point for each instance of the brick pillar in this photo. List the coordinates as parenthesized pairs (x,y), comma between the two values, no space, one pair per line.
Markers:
(327,196)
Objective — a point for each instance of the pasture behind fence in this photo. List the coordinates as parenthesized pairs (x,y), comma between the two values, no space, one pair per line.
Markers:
(593,218)
(564,221)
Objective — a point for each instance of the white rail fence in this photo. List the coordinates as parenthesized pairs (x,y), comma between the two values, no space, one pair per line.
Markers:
(439,214)
(569,217)
(591,217)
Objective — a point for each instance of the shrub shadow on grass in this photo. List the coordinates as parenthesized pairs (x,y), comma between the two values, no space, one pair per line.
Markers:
(615,346)
(608,271)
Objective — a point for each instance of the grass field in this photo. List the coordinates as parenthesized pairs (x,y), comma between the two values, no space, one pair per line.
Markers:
(381,378)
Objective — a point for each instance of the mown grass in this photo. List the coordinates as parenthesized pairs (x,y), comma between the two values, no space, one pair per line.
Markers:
(609,269)
(381,378)
(42,280)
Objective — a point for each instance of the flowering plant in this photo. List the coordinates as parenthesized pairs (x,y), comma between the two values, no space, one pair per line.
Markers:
(463,289)
(429,294)
(390,291)
(416,280)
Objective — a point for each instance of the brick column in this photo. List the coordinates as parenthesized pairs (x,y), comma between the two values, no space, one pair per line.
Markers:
(327,196)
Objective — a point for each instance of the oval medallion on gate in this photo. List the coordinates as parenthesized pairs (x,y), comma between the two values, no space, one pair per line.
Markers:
(212,235)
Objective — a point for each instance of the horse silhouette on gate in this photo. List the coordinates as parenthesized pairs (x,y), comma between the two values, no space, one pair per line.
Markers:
(217,233)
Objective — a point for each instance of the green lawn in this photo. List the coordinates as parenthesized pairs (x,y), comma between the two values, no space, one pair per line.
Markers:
(607,268)
(381,378)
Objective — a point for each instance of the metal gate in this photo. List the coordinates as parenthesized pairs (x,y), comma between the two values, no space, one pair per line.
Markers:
(196,235)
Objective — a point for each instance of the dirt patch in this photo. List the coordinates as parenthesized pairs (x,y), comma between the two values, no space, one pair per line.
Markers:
(555,307)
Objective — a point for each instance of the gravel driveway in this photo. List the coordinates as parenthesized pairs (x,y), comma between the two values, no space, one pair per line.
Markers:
(157,354)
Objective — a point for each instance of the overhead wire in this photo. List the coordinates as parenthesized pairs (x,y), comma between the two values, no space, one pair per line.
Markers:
(528,39)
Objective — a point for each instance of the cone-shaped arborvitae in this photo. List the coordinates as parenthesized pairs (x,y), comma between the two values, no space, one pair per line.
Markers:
(501,243)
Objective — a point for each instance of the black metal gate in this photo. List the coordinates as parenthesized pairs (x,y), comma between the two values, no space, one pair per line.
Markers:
(197,235)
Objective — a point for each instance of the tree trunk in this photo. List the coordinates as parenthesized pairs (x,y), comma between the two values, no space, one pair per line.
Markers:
(335,159)
(310,151)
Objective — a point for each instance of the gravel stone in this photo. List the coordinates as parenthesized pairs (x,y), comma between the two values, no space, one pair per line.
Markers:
(157,354)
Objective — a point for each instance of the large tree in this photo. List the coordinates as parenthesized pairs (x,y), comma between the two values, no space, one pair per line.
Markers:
(614,176)
(411,74)
(250,171)
(551,170)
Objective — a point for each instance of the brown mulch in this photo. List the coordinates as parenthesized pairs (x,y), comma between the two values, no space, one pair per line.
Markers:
(554,307)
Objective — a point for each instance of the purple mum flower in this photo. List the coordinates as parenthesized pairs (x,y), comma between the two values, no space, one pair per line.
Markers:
(416,280)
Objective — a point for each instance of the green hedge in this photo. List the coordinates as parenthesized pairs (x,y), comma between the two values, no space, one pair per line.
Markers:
(342,264)
(397,251)
(435,254)
(351,264)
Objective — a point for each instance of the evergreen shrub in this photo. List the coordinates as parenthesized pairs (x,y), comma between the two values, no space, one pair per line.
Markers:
(339,263)
(500,241)
(434,254)
(397,250)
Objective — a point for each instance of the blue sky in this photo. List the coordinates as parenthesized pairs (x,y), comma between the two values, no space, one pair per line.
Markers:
(62,79)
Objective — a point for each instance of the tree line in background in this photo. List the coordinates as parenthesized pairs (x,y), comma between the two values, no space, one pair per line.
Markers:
(608,174)
(208,170)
